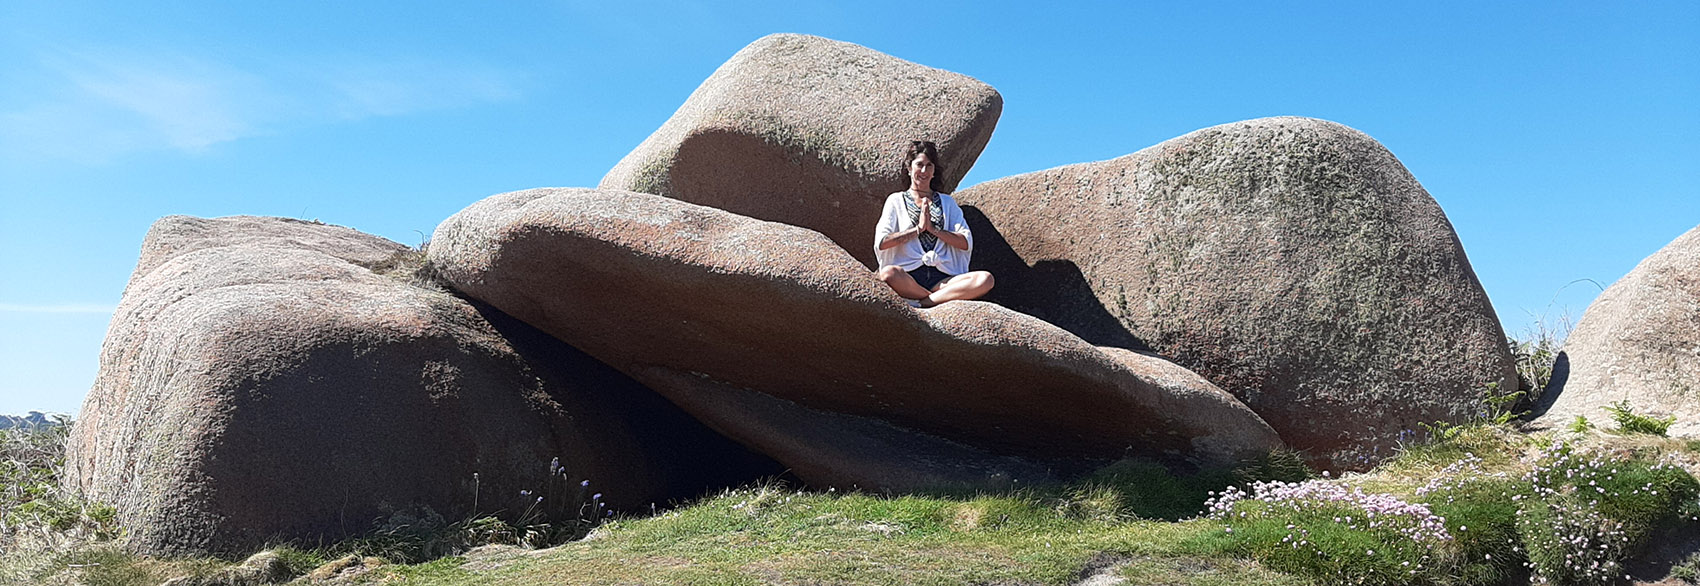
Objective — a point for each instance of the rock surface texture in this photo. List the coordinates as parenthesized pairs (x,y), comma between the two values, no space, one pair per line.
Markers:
(1293,262)
(751,325)
(1640,342)
(809,132)
(259,382)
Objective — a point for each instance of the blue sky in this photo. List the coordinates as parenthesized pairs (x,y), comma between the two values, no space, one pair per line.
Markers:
(1562,139)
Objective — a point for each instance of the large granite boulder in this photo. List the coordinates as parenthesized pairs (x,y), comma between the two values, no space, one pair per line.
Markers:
(1639,342)
(714,309)
(1293,262)
(259,382)
(809,132)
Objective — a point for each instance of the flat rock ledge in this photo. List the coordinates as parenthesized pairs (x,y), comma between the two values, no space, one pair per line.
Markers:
(260,383)
(1638,342)
(1293,262)
(822,123)
(714,310)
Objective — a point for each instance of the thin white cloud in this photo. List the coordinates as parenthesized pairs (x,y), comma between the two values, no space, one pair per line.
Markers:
(58,308)
(188,104)
(89,105)
(362,89)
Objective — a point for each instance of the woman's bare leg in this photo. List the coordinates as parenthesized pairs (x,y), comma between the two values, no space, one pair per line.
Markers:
(902,283)
(969,285)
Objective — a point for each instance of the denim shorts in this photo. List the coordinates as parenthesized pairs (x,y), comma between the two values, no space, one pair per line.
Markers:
(928,277)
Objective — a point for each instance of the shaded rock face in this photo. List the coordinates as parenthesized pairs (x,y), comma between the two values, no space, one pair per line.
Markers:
(1640,342)
(259,383)
(753,326)
(810,132)
(1293,262)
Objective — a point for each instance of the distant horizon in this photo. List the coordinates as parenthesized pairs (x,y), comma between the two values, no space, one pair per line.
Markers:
(1561,142)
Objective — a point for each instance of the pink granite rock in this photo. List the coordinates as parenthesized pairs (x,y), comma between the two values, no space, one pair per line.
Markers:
(809,132)
(692,301)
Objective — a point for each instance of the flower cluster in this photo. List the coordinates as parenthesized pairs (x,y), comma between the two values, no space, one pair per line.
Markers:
(764,499)
(1349,506)
(1590,544)
(1560,470)
(1587,509)
(1456,475)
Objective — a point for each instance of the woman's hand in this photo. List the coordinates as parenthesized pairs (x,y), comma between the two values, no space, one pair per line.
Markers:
(926,224)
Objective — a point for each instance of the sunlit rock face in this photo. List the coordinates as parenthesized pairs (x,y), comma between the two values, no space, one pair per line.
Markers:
(262,381)
(810,132)
(748,324)
(1638,342)
(1293,262)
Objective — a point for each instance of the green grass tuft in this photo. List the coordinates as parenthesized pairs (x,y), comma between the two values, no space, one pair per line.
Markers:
(1628,421)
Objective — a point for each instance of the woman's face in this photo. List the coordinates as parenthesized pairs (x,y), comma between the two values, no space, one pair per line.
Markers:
(921,170)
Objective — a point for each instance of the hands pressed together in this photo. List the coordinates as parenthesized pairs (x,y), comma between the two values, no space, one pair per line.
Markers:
(926,224)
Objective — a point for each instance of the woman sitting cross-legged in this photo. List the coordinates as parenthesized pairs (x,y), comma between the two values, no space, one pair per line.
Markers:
(922,242)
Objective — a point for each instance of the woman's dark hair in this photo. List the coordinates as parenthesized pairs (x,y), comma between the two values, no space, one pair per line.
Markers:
(917,147)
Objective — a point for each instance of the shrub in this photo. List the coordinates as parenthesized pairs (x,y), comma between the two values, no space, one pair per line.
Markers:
(1485,543)
(31,502)
(1569,542)
(1587,510)
(1535,355)
(1687,570)
(1561,515)
(44,529)
(1327,530)
(1534,359)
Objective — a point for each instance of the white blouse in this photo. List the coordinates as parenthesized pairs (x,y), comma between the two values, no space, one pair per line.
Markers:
(910,255)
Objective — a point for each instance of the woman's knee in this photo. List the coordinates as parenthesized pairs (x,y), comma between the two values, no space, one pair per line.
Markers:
(983,281)
(888,272)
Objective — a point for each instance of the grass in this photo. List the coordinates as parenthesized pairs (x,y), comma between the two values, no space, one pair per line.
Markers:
(1484,504)
(41,526)
(410,266)
(1116,522)
(771,534)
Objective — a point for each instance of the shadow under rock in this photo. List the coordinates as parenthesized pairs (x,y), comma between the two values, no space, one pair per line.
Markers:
(1052,290)
(1554,388)
(702,462)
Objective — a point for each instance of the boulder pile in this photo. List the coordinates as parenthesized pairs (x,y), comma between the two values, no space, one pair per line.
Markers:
(1243,289)
(697,303)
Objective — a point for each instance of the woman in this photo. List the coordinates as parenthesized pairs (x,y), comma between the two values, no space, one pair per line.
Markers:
(922,242)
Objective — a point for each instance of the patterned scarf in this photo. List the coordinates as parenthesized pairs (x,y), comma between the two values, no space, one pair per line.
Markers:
(934,209)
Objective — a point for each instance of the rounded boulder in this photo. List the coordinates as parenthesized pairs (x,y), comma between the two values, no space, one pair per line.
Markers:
(1293,262)
(1639,342)
(809,131)
(261,382)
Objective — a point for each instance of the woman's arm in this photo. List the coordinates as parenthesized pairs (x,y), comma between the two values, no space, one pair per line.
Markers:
(895,238)
(953,217)
(886,235)
(950,239)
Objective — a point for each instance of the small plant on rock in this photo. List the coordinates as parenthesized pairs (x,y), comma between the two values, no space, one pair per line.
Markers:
(1628,421)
